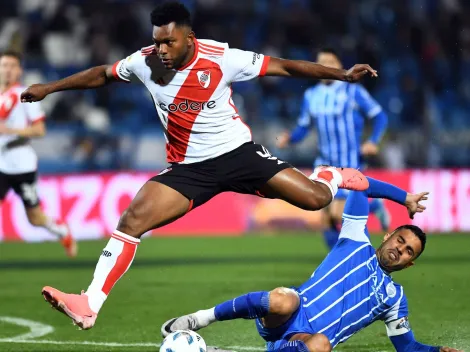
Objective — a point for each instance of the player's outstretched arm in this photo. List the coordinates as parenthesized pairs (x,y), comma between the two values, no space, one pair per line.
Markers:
(379,189)
(406,342)
(92,78)
(306,69)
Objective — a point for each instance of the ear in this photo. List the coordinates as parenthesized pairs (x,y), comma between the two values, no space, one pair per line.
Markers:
(386,237)
(409,264)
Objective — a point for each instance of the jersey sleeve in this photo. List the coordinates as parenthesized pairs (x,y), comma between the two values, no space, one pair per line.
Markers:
(355,215)
(397,317)
(240,65)
(366,103)
(34,112)
(126,69)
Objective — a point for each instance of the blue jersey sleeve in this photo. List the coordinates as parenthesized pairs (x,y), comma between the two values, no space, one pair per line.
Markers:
(368,105)
(303,122)
(355,215)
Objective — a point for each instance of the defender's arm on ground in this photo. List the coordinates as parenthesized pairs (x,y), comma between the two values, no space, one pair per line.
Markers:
(306,69)
(403,339)
(92,78)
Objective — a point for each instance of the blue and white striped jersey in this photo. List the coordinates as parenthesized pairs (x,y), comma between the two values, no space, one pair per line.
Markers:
(338,110)
(349,290)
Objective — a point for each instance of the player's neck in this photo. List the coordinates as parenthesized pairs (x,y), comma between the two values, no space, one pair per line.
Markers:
(191,53)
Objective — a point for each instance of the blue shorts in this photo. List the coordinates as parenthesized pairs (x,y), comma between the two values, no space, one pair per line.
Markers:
(276,337)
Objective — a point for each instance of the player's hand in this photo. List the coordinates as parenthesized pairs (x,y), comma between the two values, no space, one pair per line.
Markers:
(369,149)
(36,92)
(413,205)
(355,73)
(283,140)
(449,349)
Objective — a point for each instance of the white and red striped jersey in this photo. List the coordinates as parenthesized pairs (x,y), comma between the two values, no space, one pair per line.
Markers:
(22,157)
(195,102)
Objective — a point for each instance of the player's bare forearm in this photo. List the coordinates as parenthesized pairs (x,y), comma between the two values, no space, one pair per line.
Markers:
(306,69)
(94,77)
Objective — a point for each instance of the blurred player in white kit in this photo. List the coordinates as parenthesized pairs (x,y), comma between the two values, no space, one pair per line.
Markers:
(18,161)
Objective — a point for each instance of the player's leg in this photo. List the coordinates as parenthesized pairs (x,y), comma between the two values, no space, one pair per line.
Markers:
(37,217)
(154,205)
(309,343)
(159,202)
(25,185)
(331,219)
(274,308)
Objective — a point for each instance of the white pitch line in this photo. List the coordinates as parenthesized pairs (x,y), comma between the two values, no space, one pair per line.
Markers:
(112,344)
(35,329)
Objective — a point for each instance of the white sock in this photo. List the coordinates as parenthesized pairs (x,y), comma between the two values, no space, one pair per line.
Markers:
(328,176)
(114,261)
(205,317)
(60,230)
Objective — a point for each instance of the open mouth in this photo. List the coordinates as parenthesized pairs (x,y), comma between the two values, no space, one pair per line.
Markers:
(393,255)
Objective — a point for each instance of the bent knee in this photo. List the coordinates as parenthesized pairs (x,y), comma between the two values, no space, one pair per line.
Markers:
(318,343)
(319,196)
(283,301)
(130,223)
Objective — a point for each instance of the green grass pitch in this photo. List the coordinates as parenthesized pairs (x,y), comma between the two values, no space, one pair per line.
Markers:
(173,276)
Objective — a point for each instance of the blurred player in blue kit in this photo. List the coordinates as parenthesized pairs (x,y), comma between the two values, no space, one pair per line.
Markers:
(339,111)
(348,291)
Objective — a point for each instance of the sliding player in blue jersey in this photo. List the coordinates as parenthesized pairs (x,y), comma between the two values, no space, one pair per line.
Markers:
(350,289)
(339,111)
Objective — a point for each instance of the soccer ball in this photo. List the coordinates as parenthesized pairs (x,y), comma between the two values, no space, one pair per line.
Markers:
(183,341)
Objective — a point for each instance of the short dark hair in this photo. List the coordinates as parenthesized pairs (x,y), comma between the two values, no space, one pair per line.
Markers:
(418,233)
(12,53)
(329,50)
(170,11)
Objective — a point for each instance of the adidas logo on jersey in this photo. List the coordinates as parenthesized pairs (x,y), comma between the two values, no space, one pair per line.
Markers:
(188,105)
(204,78)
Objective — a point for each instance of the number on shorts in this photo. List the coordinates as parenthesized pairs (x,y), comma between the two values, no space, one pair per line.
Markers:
(267,155)
(28,192)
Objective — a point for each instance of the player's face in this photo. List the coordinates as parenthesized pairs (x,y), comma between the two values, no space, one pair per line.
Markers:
(173,44)
(329,60)
(398,250)
(10,70)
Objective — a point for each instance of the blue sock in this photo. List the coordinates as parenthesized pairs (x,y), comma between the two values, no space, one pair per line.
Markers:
(374,205)
(250,306)
(293,346)
(331,236)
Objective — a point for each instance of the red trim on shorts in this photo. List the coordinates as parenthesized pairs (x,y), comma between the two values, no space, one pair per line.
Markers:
(191,205)
(196,50)
(180,123)
(120,267)
(259,194)
(264,66)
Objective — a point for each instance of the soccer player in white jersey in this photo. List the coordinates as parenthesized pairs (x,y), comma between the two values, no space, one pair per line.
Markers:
(209,147)
(348,291)
(18,162)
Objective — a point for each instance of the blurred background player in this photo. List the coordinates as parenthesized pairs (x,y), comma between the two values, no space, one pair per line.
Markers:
(340,110)
(18,161)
